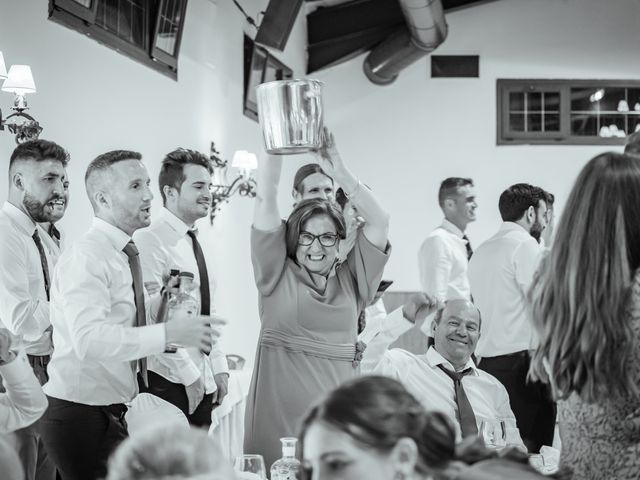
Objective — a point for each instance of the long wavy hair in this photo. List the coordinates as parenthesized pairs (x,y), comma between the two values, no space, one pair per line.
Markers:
(579,297)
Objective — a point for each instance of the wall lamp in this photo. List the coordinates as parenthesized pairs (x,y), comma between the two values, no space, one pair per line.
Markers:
(244,184)
(19,81)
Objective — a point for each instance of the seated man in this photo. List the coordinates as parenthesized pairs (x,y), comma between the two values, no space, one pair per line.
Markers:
(445,378)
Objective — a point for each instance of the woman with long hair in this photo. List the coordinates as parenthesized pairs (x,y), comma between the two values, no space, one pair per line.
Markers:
(309,302)
(585,305)
(372,428)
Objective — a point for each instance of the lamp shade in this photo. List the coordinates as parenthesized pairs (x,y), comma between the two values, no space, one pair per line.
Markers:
(3,68)
(244,160)
(19,80)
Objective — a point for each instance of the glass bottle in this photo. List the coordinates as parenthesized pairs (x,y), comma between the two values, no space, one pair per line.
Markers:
(183,304)
(287,467)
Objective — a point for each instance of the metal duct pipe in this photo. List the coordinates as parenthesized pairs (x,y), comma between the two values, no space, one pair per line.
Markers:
(427,29)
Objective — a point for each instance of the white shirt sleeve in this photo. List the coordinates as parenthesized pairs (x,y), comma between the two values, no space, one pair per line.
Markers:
(91,336)
(21,313)
(24,402)
(526,259)
(377,358)
(434,265)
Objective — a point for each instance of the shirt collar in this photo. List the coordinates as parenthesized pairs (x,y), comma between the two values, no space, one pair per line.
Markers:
(116,237)
(513,227)
(451,228)
(24,221)
(434,359)
(174,222)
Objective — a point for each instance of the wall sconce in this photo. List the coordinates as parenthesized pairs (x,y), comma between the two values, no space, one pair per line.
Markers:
(19,81)
(244,184)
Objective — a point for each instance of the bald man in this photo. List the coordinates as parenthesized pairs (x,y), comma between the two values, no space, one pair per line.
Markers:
(102,323)
(445,378)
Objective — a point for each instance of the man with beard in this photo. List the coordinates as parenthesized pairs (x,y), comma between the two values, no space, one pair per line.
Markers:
(51,235)
(500,272)
(187,378)
(36,182)
(101,319)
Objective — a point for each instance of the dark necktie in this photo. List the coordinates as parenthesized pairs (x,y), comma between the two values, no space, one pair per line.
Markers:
(467,244)
(205,299)
(138,292)
(54,233)
(467,418)
(43,261)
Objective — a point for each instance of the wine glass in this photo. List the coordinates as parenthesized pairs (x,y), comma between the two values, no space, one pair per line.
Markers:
(494,433)
(250,467)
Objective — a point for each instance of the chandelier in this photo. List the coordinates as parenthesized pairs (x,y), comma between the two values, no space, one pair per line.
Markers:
(244,184)
(19,81)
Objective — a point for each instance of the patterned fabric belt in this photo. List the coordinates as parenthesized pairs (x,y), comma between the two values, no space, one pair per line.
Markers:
(331,351)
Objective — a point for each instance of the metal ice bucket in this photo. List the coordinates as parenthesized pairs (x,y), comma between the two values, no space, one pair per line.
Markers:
(290,114)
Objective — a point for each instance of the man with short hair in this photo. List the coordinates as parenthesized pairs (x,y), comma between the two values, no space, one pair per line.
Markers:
(445,378)
(100,319)
(633,144)
(36,184)
(187,378)
(500,272)
(52,236)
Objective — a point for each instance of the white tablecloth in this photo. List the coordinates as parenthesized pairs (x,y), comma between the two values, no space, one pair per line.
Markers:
(227,425)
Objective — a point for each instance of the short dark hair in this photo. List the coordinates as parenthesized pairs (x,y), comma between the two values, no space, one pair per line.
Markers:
(172,168)
(633,144)
(341,198)
(104,161)
(449,187)
(516,199)
(305,171)
(39,150)
(550,199)
(305,210)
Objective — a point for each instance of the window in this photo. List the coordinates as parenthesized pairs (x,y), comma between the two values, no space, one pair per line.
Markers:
(259,67)
(573,112)
(149,31)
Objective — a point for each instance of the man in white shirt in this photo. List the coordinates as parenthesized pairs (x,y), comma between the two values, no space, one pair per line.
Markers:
(444,255)
(473,397)
(99,315)
(24,401)
(188,379)
(36,182)
(500,272)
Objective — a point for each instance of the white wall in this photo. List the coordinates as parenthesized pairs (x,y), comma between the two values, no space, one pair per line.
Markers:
(402,139)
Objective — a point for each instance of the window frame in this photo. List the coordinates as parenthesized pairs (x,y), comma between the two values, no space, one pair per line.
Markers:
(506,136)
(81,22)
(158,53)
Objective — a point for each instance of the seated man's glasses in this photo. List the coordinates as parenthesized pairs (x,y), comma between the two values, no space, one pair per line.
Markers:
(326,239)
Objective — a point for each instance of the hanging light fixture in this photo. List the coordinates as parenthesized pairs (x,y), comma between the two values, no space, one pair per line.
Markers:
(19,81)
(244,184)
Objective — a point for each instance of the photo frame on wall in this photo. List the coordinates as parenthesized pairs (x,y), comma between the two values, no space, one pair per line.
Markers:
(260,66)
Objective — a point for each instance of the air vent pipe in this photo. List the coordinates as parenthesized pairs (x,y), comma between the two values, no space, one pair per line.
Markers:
(427,29)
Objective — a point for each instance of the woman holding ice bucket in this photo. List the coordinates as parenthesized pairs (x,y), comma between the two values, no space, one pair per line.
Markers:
(309,303)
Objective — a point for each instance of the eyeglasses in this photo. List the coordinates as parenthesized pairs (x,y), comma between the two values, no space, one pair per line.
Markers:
(326,239)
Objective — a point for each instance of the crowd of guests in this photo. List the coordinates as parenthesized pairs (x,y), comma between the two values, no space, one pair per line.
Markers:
(531,320)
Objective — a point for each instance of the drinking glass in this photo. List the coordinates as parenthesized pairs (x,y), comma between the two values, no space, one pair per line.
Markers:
(250,467)
(494,433)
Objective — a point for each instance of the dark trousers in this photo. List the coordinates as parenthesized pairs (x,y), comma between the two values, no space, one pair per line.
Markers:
(531,402)
(175,394)
(36,463)
(80,438)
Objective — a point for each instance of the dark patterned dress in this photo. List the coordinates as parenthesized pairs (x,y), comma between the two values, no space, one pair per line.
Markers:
(597,442)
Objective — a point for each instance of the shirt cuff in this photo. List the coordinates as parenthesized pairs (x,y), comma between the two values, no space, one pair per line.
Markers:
(17,371)
(189,373)
(219,364)
(153,339)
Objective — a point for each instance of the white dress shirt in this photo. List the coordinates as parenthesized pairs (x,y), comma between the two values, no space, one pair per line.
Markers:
(163,246)
(431,386)
(24,308)
(93,314)
(375,315)
(24,401)
(53,249)
(500,273)
(442,261)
